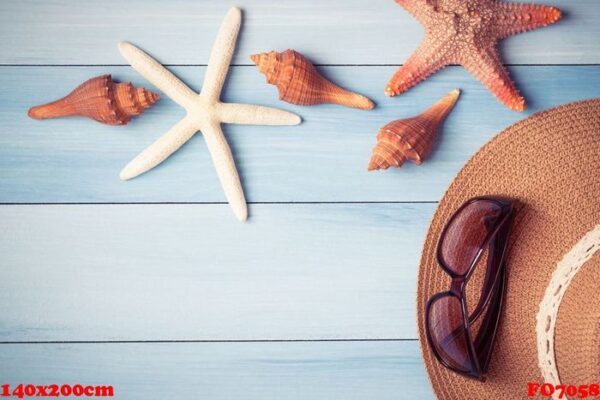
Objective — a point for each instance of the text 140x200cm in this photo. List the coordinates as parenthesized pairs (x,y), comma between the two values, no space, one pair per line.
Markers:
(29,390)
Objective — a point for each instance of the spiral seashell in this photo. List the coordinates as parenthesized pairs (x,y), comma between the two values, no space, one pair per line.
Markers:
(300,83)
(411,138)
(101,99)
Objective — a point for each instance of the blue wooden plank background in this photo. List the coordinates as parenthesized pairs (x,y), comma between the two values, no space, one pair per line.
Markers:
(192,272)
(323,159)
(329,31)
(311,300)
(271,370)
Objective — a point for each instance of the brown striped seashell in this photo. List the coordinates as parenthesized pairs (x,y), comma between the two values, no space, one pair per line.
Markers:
(101,99)
(300,83)
(411,138)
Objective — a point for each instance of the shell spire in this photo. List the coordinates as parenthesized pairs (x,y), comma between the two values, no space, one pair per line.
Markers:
(411,138)
(299,82)
(100,99)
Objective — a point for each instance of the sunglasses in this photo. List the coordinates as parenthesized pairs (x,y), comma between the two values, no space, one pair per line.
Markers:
(482,223)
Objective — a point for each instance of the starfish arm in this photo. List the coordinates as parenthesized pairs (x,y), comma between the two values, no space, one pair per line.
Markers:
(488,69)
(226,170)
(160,150)
(514,18)
(422,10)
(426,60)
(158,75)
(221,54)
(250,114)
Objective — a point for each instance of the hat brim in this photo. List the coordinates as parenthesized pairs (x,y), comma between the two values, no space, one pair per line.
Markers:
(577,333)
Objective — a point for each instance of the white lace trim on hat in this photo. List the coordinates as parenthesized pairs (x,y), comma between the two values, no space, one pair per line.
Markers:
(566,269)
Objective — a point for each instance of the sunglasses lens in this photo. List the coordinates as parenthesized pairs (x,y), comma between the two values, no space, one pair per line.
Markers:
(466,234)
(448,334)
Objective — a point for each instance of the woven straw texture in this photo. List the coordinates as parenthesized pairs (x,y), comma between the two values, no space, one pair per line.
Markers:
(551,163)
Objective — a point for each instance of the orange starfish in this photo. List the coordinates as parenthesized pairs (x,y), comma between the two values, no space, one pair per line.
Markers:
(466,32)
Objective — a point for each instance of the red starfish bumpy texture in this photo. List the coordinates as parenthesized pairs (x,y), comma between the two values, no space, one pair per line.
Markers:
(466,32)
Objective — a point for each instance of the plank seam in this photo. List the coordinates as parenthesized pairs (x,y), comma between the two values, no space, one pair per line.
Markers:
(217,203)
(203,341)
(318,65)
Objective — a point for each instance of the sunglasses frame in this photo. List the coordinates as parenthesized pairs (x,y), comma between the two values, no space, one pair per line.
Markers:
(493,288)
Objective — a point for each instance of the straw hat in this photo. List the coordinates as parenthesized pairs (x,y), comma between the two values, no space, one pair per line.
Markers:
(550,162)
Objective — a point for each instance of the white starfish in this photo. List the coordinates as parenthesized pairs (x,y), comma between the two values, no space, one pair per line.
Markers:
(205,112)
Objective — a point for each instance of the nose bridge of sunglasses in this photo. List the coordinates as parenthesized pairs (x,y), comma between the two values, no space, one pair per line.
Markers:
(457,284)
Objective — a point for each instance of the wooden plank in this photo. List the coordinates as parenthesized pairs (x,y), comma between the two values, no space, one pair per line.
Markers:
(323,159)
(182,32)
(309,370)
(193,272)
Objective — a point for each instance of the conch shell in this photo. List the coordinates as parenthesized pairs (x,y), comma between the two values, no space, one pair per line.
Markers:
(411,138)
(101,99)
(299,82)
